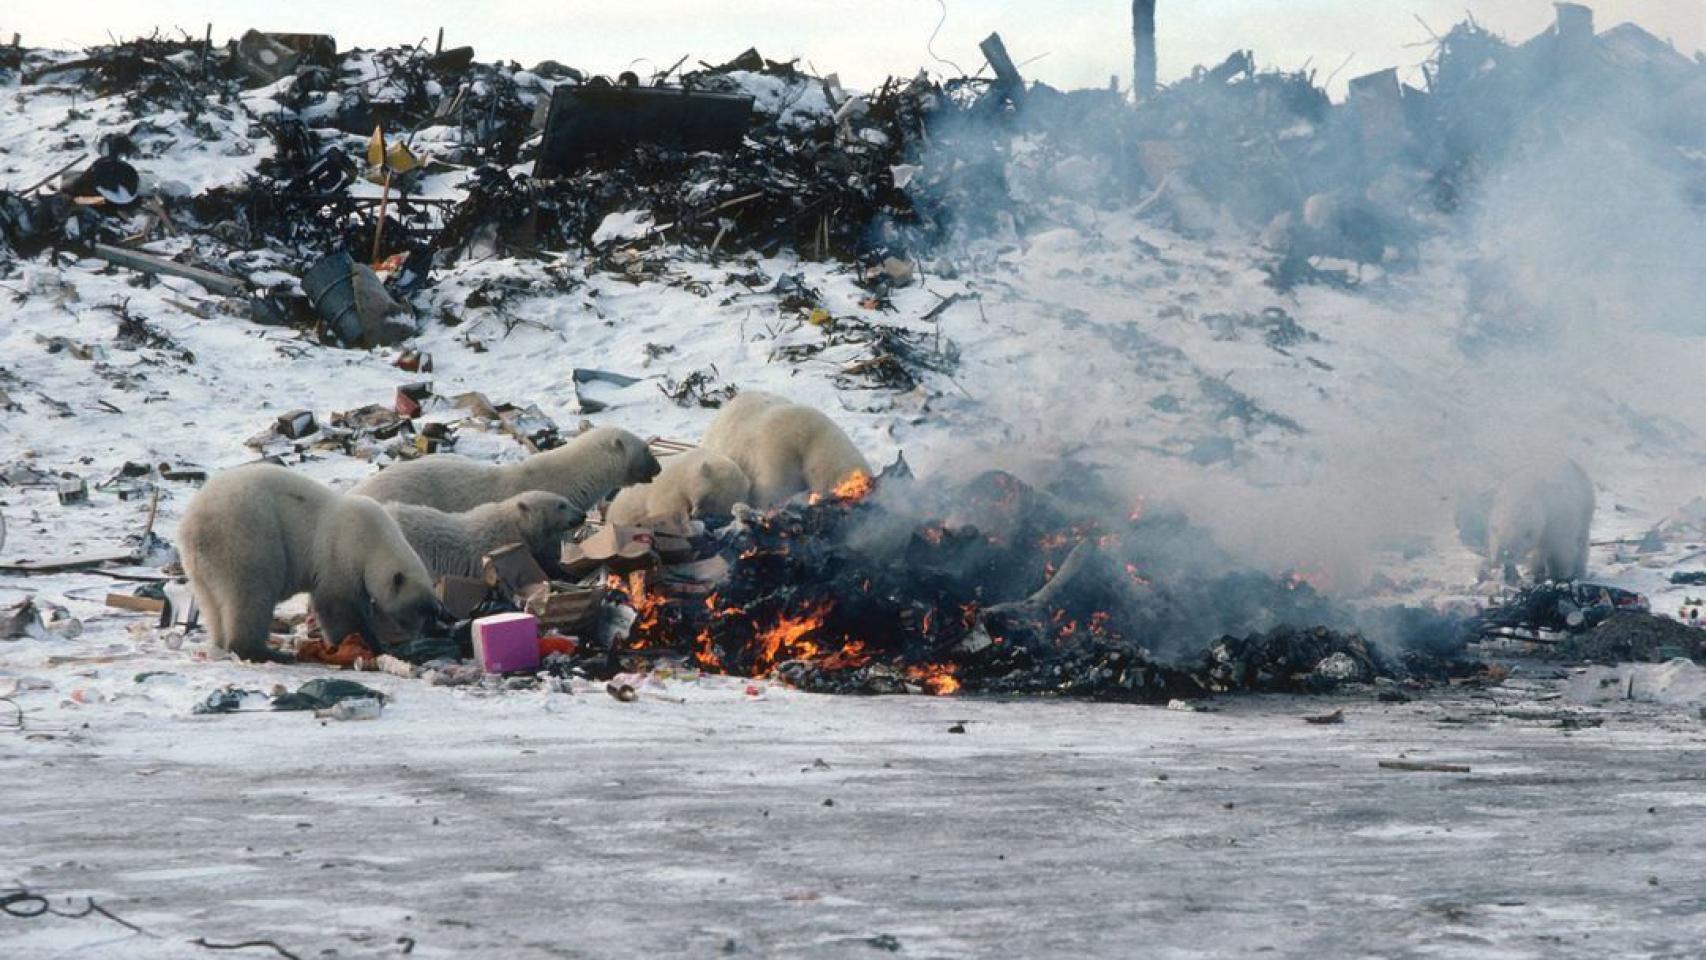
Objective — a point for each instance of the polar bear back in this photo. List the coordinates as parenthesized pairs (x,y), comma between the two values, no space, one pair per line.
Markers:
(784,448)
(258,534)
(456,543)
(444,481)
(259,509)
(695,483)
(583,471)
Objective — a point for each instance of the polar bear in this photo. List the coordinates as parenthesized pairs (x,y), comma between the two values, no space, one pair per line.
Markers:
(783,447)
(258,534)
(454,543)
(1540,517)
(692,484)
(583,471)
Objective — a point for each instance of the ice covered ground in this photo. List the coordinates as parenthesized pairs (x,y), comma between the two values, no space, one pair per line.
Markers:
(566,824)
(555,825)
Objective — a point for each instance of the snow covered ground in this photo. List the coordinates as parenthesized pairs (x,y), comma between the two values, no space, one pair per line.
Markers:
(556,825)
(534,824)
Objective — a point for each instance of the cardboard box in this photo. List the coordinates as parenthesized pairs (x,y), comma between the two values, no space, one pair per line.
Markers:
(566,609)
(621,549)
(460,595)
(513,570)
(507,642)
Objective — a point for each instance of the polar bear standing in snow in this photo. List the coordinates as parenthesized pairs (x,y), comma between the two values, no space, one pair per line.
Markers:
(783,447)
(455,543)
(259,534)
(693,484)
(1540,517)
(583,471)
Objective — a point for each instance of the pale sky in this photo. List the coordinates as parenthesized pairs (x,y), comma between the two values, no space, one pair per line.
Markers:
(1069,43)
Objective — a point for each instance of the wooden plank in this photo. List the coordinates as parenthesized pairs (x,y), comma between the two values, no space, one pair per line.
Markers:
(1420,767)
(149,263)
(136,604)
(81,561)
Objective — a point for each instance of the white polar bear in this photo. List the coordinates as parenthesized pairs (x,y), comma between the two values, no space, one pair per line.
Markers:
(258,534)
(1540,517)
(583,471)
(785,448)
(454,543)
(695,483)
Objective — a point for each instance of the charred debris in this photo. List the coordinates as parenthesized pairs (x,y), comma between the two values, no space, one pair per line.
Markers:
(475,159)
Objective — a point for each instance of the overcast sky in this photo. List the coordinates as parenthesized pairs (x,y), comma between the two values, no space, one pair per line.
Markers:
(1068,43)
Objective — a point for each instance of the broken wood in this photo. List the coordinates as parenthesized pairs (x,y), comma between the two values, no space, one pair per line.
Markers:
(1008,82)
(1069,570)
(81,561)
(32,188)
(149,263)
(136,604)
(1417,766)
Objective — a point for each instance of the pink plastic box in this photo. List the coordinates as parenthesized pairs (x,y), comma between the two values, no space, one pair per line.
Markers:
(507,642)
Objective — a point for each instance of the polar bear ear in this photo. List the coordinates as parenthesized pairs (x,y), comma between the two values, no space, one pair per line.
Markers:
(523,507)
(705,469)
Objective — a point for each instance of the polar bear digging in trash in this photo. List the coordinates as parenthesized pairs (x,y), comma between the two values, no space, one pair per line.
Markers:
(1540,517)
(696,483)
(259,534)
(583,471)
(454,543)
(783,447)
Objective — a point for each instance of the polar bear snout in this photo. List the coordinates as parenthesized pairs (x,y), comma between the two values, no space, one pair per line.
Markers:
(646,469)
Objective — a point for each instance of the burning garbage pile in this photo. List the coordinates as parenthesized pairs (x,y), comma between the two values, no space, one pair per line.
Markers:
(1012,592)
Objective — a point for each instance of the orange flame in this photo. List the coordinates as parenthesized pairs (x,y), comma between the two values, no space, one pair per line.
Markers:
(857,486)
(786,640)
(648,608)
(936,678)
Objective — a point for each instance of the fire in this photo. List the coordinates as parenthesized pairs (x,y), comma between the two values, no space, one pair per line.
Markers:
(849,657)
(786,640)
(1136,511)
(1055,541)
(935,678)
(857,486)
(648,607)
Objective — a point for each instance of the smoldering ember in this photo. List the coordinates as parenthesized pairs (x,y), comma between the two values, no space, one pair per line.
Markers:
(458,508)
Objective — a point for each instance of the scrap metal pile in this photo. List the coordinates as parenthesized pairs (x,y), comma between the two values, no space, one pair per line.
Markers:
(409,160)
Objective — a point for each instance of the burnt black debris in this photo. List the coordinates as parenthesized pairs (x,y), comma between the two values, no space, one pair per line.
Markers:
(1557,607)
(848,594)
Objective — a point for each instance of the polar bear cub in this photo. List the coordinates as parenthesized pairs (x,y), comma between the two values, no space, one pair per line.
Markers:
(583,471)
(783,447)
(695,483)
(455,543)
(259,534)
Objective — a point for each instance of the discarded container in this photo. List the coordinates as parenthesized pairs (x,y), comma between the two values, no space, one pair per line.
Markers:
(513,570)
(353,302)
(360,708)
(460,595)
(297,424)
(409,398)
(72,491)
(263,59)
(586,120)
(507,642)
